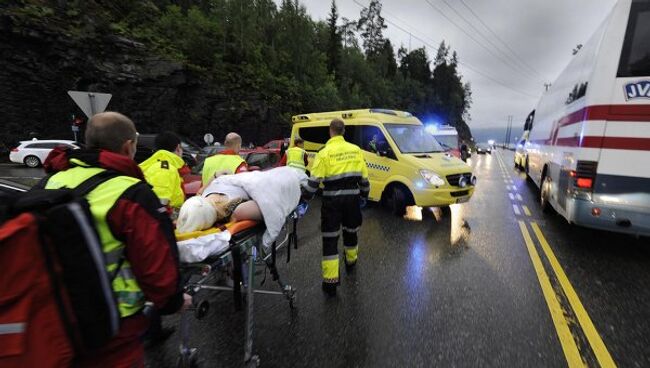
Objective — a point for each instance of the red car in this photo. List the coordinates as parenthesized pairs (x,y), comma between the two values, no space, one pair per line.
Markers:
(276,145)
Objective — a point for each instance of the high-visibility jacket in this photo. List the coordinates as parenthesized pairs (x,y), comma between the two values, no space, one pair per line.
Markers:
(230,162)
(341,168)
(130,297)
(161,172)
(296,158)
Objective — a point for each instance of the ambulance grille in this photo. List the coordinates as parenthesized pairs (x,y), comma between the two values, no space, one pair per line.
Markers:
(453,180)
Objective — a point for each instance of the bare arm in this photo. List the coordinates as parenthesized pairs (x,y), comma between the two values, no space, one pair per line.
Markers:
(216,175)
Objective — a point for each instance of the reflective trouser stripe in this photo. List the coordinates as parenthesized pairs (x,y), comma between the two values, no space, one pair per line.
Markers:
(331,268)
(351,230)
(334,193)
(12,328)
(331,234)
(351,254)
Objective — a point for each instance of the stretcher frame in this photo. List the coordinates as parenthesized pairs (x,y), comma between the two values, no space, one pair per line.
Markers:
(245,253)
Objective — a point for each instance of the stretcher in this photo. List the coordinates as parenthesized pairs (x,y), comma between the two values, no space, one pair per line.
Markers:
(234,270)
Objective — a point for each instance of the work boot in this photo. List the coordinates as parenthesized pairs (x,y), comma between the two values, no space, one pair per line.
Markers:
(350,267)
(329,288)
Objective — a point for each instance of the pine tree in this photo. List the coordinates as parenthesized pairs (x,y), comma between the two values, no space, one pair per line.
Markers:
(334,44)
(372,25)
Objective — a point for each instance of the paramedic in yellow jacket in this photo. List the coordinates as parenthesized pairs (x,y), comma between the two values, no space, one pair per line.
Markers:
(340,167)
(162,169)
(227,160)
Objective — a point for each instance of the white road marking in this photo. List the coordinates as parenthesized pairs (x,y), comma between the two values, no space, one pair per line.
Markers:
(519,197)
(516,209)
(512,197)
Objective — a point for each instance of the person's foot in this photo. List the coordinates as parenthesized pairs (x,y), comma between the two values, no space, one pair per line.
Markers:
(329,288)
(349,267)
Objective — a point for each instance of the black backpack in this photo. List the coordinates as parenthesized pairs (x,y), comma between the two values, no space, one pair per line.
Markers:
(61,235)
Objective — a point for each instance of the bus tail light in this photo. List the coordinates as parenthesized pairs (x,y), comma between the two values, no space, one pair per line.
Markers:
(584,183)
(584,175)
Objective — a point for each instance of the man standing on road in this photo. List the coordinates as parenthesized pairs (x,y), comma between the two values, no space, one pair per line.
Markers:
(342,170)
(136,234)
(226,160)
(296,156)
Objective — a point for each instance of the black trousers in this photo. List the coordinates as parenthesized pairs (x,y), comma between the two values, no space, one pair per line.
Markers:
(339,211)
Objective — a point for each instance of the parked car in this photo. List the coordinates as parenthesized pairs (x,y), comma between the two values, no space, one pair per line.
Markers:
(276,145)
(33,153)
(261,158)
(212,150)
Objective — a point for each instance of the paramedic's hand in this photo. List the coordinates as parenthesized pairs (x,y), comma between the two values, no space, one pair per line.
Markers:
(187,302)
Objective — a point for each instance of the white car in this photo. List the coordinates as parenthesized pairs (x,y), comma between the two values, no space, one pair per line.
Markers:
(33,153)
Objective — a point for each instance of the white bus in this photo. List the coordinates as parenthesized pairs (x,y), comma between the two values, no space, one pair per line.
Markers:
(589,147)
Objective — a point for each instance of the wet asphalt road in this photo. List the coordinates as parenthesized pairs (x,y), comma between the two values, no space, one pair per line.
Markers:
(437,293)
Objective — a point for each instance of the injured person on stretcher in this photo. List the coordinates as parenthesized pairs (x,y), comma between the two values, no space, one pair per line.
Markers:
(268,196)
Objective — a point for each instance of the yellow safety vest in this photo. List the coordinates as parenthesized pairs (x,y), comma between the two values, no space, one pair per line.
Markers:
(218,163)
(296,158)
(130,297)
(336,165)
(161,172)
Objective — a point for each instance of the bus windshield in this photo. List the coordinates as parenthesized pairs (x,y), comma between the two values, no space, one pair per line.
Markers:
(413,139)
(635,58)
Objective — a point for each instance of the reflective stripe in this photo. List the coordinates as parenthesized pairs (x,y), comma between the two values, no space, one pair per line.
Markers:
(342,176)
(351,254)
(311,189)
(12,328)
(330,268)
(351,230)
(334,193)
(129,297)
(113,256)
(126,273)
(331,234)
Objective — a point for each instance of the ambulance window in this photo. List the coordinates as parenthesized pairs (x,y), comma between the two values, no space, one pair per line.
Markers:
(319,134)
(635,58)
(372,139)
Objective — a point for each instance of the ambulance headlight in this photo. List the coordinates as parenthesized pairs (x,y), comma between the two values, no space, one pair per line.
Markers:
(432,178)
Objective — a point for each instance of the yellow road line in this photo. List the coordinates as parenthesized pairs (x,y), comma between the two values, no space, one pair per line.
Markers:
(569,346)
(597,344)
(526,210)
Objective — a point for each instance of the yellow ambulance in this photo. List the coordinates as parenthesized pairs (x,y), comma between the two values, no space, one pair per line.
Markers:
(406,165)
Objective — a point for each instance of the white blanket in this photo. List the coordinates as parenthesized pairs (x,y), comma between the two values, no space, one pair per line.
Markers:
(198,249)
(276,191)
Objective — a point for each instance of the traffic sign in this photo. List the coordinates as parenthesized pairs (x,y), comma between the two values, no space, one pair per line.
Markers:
(90,103)
(208,139)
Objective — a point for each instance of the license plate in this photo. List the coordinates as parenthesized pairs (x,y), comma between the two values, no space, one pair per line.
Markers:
(462,199)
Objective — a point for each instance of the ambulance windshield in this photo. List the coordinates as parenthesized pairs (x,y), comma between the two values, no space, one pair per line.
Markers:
(635,58)
(413,139)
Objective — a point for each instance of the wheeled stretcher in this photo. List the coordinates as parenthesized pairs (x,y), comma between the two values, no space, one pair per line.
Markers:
(233,270)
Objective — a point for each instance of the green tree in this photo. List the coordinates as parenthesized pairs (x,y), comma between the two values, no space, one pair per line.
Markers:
(334,44)
(371,26)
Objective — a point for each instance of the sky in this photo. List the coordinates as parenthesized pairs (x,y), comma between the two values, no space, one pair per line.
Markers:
(535,39)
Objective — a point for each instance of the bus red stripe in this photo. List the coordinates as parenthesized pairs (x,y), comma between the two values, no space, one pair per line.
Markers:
(631,113)
(622,143)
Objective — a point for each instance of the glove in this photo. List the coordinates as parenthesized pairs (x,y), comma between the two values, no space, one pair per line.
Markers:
(362,202)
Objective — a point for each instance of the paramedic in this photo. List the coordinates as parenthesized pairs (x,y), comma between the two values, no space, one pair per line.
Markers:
(342,170)
(164,168)
(227,159)
(296,156)
(136,233)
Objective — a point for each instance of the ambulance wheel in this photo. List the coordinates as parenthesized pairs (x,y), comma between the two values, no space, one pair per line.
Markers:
(396,200)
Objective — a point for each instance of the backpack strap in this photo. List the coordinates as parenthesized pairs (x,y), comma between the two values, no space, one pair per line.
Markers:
(93,182)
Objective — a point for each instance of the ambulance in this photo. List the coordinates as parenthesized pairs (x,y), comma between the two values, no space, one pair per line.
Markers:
(406,165)
(589,146)
(447,136)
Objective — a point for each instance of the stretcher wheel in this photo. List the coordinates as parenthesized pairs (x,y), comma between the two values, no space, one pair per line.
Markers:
(202,309)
